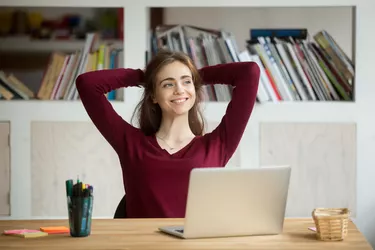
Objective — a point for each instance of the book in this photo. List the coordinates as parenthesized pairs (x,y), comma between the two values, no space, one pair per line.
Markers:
(25,233)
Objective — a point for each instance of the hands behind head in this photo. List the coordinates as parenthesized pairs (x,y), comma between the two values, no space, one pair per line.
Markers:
(142,83)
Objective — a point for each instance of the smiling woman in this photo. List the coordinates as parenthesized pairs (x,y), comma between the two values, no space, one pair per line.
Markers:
(173,90)
(175,96)
(157,158)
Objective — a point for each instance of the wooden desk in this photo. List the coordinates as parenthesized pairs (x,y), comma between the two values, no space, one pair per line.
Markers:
(143,234)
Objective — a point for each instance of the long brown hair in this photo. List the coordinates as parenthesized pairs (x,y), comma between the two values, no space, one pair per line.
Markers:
(149,114)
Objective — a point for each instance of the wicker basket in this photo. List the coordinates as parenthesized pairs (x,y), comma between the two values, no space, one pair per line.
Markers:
(331,223)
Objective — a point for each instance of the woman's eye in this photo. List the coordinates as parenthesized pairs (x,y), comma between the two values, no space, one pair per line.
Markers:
(167,85)
(187,82)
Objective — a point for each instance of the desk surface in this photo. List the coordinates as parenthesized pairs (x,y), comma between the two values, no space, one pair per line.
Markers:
(143,234)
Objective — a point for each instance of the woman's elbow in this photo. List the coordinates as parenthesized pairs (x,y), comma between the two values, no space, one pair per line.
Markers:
(253,69)
(83,79)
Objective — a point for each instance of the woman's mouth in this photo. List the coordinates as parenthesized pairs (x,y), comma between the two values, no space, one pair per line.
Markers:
(180,100)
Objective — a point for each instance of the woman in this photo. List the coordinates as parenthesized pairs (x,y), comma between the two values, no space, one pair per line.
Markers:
(157,158)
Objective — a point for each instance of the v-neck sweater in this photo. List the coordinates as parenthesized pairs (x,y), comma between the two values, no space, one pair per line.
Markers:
(155,181)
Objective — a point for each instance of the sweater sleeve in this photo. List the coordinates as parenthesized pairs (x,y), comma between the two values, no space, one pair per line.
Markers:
(244,77)
(92,87)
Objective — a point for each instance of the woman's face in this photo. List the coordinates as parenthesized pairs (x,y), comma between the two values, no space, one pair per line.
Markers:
(174,90)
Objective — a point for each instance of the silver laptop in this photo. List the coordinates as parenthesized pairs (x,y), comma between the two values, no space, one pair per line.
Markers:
(224,202)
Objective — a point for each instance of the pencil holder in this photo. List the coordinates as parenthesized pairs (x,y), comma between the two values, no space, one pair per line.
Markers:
(80,215)
(331,223)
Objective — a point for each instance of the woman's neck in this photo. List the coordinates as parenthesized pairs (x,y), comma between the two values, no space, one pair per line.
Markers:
(175,129)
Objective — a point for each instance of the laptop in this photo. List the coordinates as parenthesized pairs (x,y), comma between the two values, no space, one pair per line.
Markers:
(225,202)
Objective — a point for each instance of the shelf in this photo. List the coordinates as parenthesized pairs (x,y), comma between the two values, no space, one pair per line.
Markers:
(172,3)
(25,44)
(47,110)
(290,111)
(287,111)
(65,3)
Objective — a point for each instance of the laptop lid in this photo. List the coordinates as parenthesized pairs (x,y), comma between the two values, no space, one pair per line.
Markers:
(236,201)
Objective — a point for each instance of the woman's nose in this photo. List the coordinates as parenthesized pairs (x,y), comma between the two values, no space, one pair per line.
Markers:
(179,89)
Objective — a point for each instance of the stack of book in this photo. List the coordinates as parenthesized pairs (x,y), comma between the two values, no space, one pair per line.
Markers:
(59,75)
(12,88)
(204,46)
(296,67)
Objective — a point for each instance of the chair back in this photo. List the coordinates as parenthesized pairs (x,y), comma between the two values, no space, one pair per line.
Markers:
(121,209)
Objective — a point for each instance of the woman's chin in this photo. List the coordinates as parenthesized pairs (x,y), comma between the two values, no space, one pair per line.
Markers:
(179,111)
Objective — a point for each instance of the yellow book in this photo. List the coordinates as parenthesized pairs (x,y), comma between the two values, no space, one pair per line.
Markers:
(25,233)
(31,235)
(100,59)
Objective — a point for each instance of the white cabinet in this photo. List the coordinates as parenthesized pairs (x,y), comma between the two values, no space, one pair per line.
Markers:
(4,169)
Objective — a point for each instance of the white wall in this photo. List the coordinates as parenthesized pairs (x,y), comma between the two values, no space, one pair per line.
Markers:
(239,20)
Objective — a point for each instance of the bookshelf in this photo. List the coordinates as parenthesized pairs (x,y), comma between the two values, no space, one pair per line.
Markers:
(37,46)
(174,14)
(318,74)
(358,113)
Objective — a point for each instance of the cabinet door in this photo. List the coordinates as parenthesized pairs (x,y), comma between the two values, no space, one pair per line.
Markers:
(67,150)
(323,161)
(4,169)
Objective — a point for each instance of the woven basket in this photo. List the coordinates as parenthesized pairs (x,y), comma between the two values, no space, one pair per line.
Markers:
(331,223)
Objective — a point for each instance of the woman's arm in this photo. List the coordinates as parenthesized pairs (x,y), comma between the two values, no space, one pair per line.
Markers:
(92,87)
(244,77)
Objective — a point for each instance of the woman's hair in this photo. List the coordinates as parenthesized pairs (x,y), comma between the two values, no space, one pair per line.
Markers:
(149,114)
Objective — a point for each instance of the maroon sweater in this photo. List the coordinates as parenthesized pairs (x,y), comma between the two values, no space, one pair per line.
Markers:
(155,181)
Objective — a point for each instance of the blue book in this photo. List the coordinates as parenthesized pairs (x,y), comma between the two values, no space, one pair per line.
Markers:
(279,33)
(112,95)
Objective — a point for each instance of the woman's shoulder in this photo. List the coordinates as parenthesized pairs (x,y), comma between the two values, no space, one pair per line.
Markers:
(210,137)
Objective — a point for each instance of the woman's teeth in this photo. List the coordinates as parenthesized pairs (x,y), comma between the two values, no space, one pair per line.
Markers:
(179,100)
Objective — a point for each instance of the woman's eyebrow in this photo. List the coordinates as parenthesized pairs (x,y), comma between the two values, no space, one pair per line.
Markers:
(172,79)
